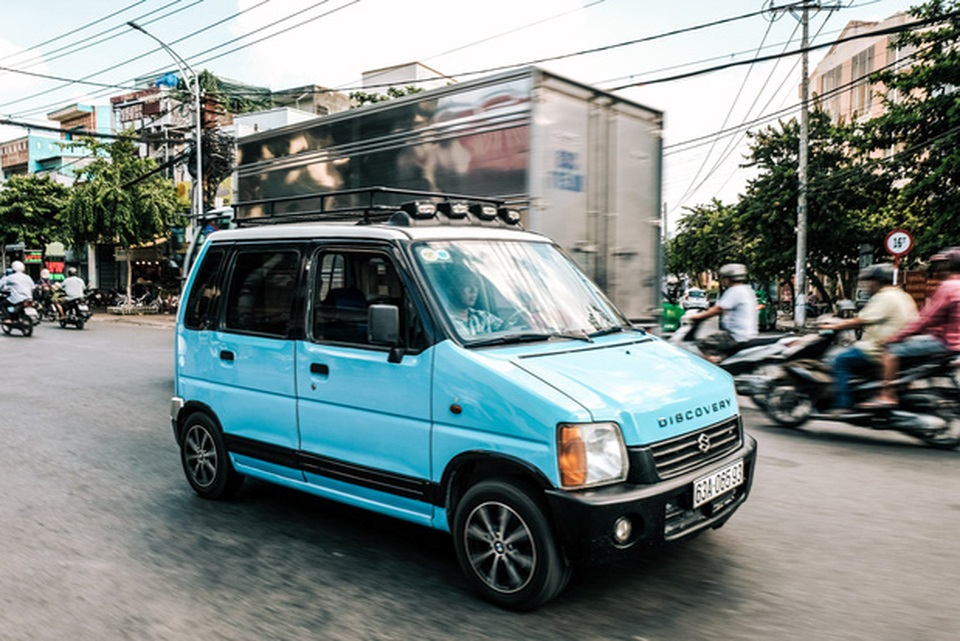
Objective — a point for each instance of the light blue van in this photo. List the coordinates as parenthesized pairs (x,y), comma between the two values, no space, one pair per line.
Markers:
(457,372)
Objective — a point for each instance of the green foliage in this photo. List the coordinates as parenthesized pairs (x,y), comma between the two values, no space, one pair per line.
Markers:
(29,206)
(362,98)
(707,237)
(120,198)
(845,193)
(235,98)
(922,125)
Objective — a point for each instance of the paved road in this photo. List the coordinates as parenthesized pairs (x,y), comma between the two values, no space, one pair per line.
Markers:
(849,535)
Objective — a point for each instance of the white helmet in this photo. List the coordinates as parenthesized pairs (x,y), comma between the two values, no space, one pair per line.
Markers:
(18,266)
(734,271)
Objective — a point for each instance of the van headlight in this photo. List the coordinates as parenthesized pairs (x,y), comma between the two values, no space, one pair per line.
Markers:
(590,454)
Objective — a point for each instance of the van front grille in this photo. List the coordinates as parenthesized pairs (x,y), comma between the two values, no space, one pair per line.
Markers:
(689,451)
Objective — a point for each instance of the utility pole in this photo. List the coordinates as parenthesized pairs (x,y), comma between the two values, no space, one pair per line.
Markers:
(184,66)
(801,10)
(800,299)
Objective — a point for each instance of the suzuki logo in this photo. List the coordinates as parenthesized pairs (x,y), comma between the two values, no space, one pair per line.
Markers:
(703,443)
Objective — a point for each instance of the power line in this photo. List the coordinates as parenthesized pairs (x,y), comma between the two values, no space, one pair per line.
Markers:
(879,32)
(743,83)
(117,30)
(192,58)
(73,31)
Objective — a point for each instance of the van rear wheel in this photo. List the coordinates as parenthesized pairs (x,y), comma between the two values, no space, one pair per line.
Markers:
(205,460)
(506,547)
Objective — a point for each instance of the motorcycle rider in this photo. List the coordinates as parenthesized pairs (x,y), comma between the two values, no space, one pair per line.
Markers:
(935,333)
(74,290)
(888,310)
(18,285)
(43,292)
(737,308)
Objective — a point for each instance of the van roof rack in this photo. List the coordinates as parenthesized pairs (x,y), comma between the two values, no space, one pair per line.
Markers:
(368,205)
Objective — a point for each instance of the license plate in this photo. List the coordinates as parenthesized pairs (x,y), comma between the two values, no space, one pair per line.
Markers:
(31,312)
(83,308)
(707,488)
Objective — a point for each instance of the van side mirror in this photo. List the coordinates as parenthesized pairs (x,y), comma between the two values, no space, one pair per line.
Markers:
(383,323)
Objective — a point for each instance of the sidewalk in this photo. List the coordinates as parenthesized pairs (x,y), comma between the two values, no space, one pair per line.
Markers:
(155,320)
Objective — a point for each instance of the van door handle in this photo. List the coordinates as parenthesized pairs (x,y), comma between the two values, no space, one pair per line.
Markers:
(319,368)
(226,355)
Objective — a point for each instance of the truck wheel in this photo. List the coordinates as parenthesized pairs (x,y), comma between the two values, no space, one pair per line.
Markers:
(506,546)
(205,459)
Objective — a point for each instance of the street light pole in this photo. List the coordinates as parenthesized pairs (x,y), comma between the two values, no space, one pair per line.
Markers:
(184,67)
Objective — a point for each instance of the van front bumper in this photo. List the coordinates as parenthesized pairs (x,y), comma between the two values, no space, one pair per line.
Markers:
(657,513)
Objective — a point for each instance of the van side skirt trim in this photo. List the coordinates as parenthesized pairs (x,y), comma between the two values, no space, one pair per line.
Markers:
(375,479)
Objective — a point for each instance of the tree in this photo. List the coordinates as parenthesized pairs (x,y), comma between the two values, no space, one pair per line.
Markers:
(29,206)
(707,237)
(922,124)
(119,198)
(846,196)
(362,98)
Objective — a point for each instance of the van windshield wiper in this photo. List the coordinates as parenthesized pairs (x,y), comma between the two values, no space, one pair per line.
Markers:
(529,337)
(605,332)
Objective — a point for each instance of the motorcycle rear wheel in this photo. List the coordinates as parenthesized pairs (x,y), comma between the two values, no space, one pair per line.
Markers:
(949,437)
(787,405)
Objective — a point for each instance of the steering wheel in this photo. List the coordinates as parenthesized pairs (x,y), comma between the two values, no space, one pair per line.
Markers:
(516,318)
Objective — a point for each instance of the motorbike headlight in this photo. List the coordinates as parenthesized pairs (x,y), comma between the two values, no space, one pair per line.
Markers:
(590,454)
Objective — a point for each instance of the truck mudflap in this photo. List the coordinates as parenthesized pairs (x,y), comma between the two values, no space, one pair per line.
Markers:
(588,522)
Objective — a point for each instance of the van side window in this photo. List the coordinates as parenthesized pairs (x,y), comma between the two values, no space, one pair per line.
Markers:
(261,294)
(348,282)
(201,312)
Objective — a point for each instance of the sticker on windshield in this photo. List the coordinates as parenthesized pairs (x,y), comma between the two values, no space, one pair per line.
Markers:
(431,256)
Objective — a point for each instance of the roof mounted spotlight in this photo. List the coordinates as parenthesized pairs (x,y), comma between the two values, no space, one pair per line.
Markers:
(484,212)
(419,209)
(509,216)
(413,212)
(454,209)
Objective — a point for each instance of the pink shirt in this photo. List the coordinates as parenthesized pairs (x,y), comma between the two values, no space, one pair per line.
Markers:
(940,316)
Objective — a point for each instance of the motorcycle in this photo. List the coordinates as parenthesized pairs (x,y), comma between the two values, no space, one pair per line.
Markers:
(75,312)
(46,310)
(928,390)
(753,364)
(21,316)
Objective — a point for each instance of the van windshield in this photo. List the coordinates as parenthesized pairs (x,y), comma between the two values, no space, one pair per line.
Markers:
(507,291)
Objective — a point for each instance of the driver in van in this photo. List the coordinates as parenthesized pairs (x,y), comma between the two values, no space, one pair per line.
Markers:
(468,319)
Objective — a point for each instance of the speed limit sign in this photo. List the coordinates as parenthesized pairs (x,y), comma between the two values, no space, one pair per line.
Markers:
(898,243)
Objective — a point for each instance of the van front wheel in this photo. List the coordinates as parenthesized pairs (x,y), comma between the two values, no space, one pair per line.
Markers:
(205,459)
(506,547)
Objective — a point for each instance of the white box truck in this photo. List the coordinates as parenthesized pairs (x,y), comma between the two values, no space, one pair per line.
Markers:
(583,166)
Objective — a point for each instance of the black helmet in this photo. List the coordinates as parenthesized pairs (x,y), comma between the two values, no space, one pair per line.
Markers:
(734,271)
(881,272)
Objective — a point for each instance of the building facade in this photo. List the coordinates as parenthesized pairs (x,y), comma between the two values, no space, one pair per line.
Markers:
(840,83)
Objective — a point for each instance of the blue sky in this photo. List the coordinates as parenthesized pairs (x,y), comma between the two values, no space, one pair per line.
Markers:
(332,42)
